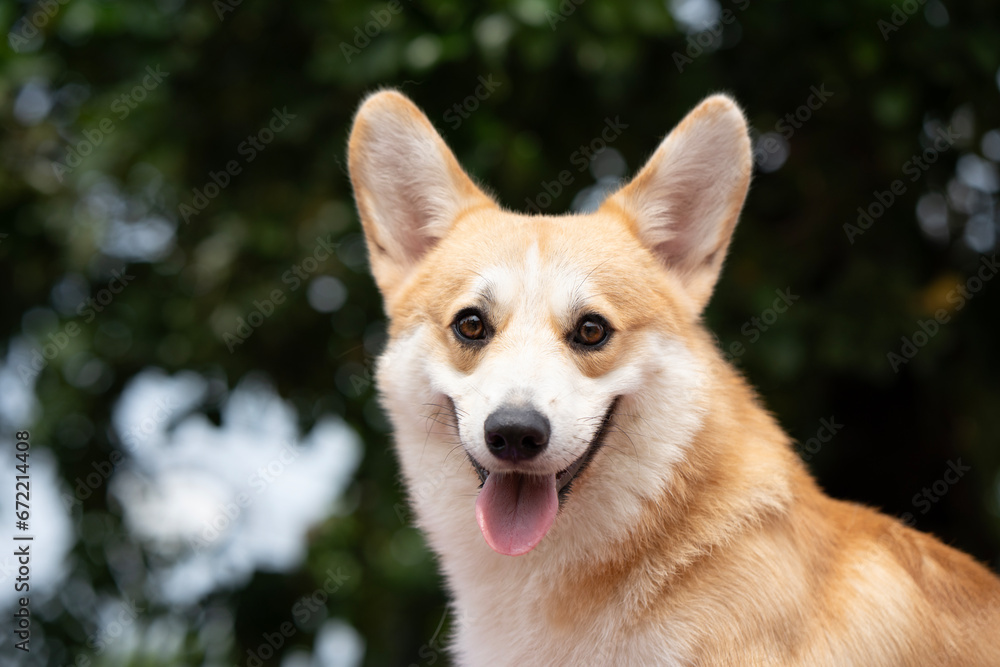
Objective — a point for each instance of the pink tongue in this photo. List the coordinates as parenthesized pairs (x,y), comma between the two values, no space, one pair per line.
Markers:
(515,511)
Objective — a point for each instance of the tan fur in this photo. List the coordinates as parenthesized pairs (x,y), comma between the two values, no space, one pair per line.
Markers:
(696,536)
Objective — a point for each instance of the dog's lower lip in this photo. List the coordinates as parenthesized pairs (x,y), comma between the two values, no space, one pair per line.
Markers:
(562,477)
(567,475)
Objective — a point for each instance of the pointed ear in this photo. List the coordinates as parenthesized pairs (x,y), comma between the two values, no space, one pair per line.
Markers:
(407,184)
(685,201)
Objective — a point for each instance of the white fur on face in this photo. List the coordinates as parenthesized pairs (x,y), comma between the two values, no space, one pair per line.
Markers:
(663,382)
(528,361)
(662,385)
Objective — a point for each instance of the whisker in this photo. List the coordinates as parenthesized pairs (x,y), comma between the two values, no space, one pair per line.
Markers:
(628,436)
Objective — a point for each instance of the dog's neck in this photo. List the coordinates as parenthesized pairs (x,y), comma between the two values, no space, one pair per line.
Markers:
(725,486)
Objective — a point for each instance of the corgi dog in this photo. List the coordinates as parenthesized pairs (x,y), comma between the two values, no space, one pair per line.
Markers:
(599,485)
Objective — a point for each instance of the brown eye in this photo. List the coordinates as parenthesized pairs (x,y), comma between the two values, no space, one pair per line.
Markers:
(469,326)
(592,331)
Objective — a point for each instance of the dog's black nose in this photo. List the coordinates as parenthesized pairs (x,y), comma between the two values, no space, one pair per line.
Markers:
(516,433)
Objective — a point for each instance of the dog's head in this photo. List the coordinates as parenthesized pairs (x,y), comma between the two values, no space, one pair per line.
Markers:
(534,340)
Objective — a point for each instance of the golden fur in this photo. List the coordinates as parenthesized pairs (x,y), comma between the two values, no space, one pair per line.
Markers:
(696,536)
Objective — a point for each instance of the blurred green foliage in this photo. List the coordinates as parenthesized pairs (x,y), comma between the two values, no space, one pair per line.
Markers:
(562,69)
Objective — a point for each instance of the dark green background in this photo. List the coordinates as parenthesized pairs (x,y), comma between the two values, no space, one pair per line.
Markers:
(825,357)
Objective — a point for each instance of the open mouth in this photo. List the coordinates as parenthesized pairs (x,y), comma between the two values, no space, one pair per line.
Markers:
(564,478)
(515,510)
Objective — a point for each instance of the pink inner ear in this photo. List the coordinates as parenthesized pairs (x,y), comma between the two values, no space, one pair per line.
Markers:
(686,200)
(409,188)
(408,184)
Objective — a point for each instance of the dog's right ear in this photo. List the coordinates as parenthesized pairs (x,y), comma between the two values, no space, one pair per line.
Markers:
(408,186)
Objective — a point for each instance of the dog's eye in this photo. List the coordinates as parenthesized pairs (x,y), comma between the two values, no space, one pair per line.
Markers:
(469,326)
(591,331)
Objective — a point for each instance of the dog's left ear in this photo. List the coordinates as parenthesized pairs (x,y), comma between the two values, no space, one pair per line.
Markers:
(408,186)
(685,201)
